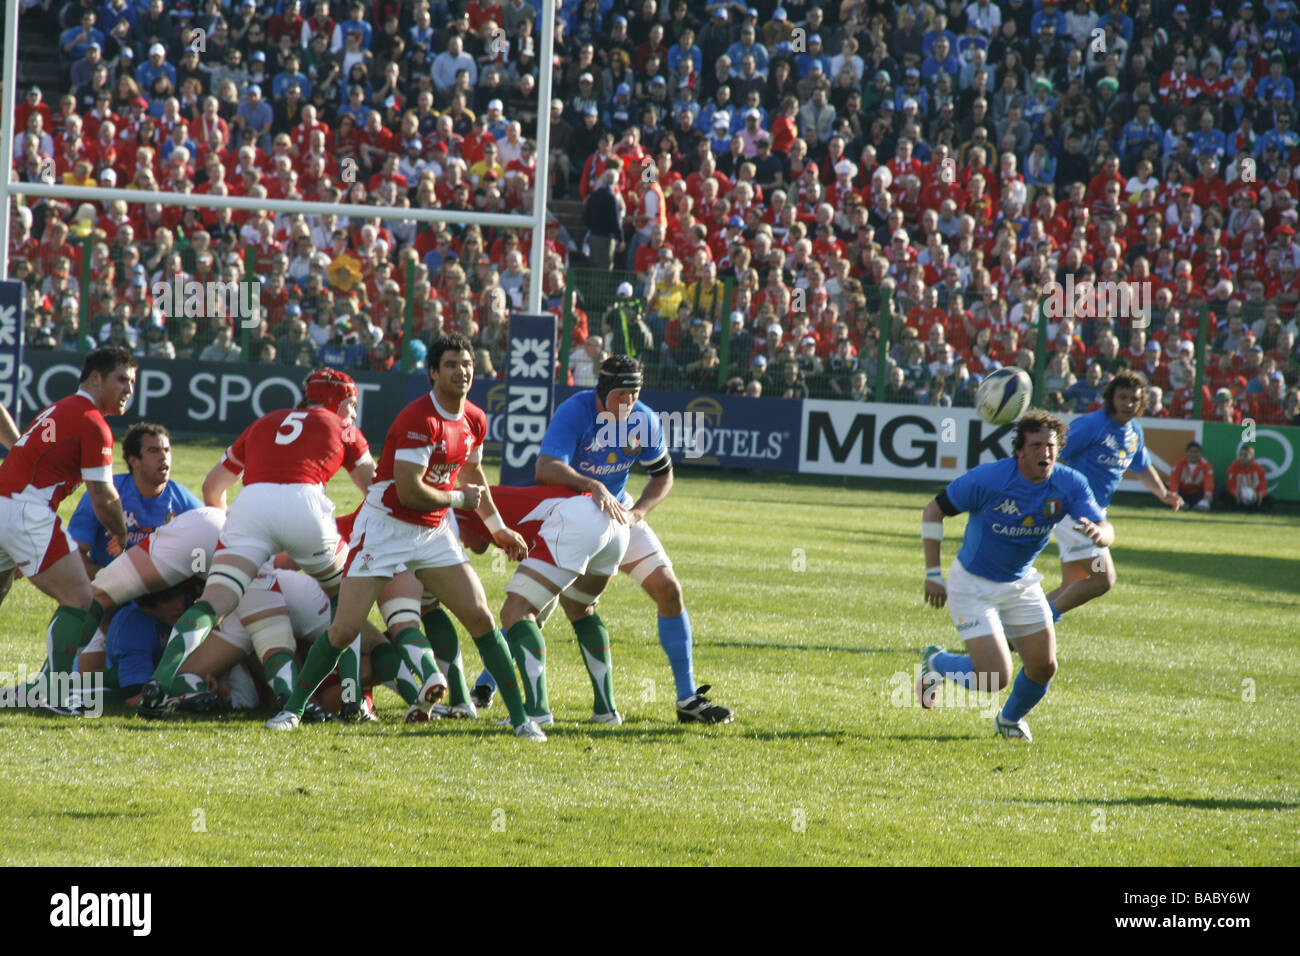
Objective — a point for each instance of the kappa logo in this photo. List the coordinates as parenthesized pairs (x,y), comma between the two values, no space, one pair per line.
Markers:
(1008,507)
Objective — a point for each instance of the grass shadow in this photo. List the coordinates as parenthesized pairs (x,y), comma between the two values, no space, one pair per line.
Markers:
(1260,571)
(1188,803)
(835,648)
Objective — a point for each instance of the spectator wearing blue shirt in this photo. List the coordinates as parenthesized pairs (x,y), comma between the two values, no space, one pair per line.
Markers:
(1282,137)
(290,75)
(255,114)
(149,498)
(1283,29)
(73,42)
(154,67)
(804,64)
(1138,133)
(355,23)
(342,351)
(1276,83)
(938,31)
(1208,141)
(1122,21)
(940,60)
(685,48)
(748,46)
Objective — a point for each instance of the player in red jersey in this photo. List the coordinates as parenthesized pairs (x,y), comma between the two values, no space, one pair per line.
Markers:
(285,459)
(404,524)
(66,444)
(573,551)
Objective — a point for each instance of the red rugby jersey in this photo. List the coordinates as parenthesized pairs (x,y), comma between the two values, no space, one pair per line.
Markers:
(296,447)
(67,443)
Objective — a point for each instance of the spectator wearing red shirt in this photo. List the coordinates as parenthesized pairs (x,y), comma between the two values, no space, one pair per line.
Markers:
(1193,478)
(1247,485)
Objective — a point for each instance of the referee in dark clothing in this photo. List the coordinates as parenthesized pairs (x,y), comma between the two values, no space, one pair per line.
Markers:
(603,216)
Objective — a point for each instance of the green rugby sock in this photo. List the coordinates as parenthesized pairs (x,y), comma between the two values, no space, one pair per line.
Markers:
(495,652)
(387,663)
(63,638)
(441,631)
(186,684)
(415,650)
(321,660)
(350,672)
(529,650)
(282,672)
(593,638)
(190,631)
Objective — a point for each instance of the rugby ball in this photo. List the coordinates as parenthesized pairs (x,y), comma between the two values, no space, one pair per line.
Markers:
(1004,395)
(1246,495)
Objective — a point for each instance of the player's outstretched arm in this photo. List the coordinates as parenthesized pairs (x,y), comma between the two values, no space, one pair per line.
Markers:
(552,471)
(9,433)
(1151,480)
(219,480)
(510,541)
(936,592)
(108,508)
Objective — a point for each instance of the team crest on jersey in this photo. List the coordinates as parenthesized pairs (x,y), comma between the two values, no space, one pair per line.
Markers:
(633,446)
(1131,443)
(1028,522)
(1052,508)
(1008,507)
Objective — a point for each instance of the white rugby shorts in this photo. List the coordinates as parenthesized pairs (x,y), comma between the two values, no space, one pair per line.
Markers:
(383,546)
(1073,545)
(575,539)
(980,607)
(31,536)
(267,518)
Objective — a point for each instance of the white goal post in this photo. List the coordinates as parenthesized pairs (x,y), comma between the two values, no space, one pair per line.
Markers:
(536,220)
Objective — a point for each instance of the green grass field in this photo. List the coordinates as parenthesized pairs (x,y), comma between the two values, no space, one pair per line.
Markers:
(1167,738)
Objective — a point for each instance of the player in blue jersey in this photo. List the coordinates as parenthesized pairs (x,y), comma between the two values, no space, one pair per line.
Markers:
(592,442)
(993,592)
(149,498)
(1103,446)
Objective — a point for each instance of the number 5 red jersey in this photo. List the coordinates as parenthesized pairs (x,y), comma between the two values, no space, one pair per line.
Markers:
(296,447)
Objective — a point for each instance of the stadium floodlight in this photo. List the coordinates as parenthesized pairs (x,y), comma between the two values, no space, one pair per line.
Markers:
(534,220)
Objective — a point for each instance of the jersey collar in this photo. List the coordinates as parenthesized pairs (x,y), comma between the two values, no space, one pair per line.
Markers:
(442,411)
(86,395)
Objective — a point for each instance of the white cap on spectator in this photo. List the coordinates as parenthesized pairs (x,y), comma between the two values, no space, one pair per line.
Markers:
(624,290)
(738,317)
(495,105)
(108,177)
(845,168)
(557,104)
(901,234)
(157,50)
(774,327)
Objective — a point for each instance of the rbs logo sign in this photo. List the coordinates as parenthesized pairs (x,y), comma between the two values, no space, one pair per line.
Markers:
(530,395)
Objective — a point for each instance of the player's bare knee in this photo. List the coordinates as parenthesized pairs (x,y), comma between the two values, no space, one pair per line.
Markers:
(666,591)
(515,609)
(1041,672)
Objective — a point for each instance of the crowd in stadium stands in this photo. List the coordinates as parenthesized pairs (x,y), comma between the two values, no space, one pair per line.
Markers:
(943,165)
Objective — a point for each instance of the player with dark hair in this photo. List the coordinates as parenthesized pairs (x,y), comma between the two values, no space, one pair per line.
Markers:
(149,498)
(67,443)
(993,592)
(592,442)
(1103,446)
(285,459)
(405,525)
